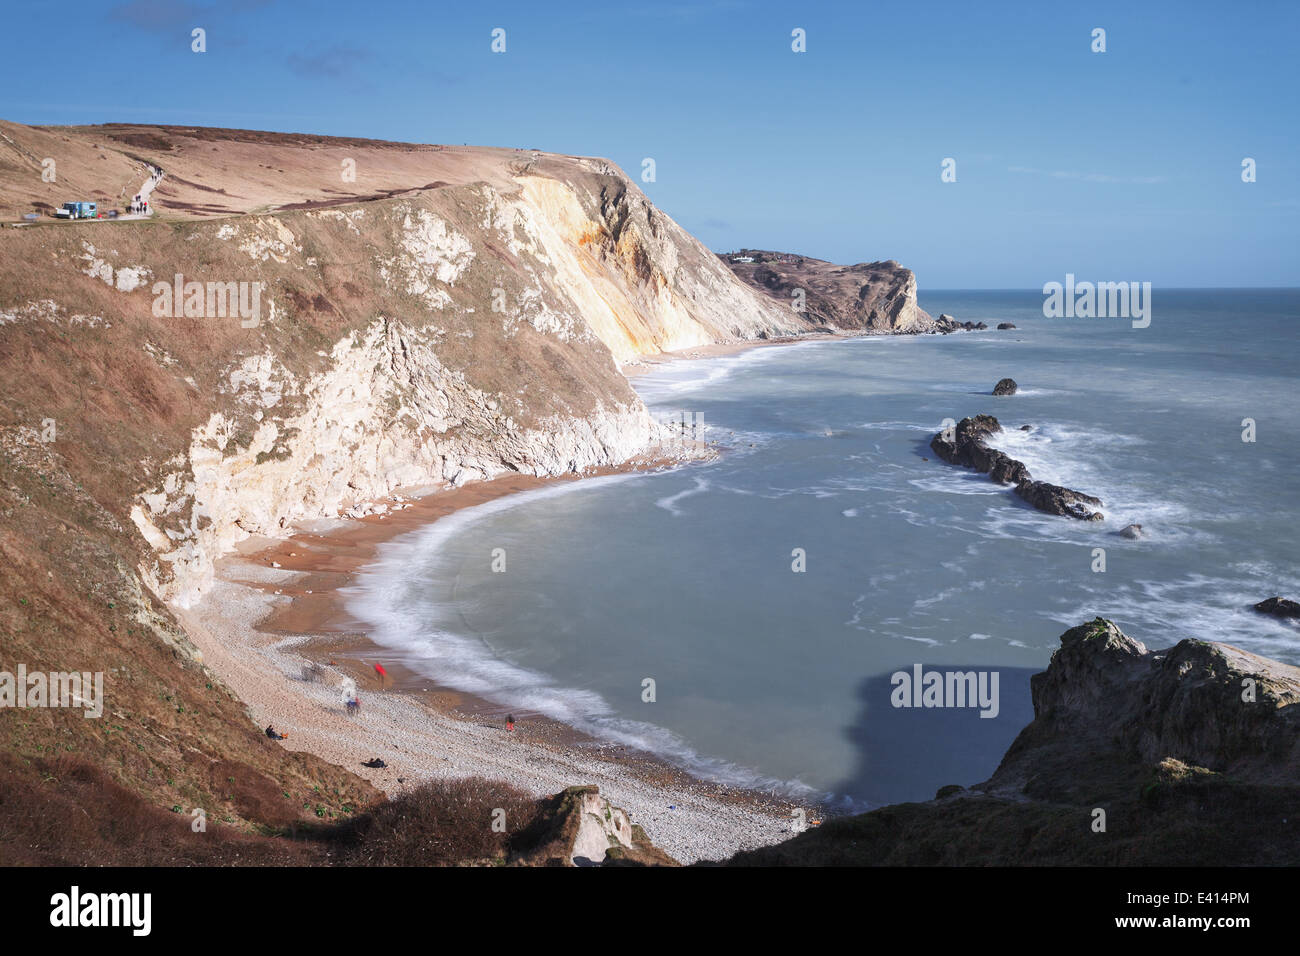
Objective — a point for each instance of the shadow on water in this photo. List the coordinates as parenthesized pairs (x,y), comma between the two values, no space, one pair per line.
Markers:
(907,753)
(921,448)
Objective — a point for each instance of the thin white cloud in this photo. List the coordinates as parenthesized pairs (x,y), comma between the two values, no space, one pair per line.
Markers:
(1086,177)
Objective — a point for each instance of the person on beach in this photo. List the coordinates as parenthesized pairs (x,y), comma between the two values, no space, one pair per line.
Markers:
(354,705)
(270,732)
(510,721)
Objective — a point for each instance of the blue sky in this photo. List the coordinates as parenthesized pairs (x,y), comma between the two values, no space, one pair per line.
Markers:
(1117,165)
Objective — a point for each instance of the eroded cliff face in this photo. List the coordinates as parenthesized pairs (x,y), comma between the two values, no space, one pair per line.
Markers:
(877,297)
(269,368)
(643,283)
(282,344)
(386,414)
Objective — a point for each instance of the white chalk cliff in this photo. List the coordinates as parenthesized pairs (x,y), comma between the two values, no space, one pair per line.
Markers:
(467,322)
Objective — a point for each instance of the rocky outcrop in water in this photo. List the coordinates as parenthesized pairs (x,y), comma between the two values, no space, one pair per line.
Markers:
(1003,326)
(1133,532)
(1279,607)
(946,323)
(965,446)
(1005,386)
(1058,500)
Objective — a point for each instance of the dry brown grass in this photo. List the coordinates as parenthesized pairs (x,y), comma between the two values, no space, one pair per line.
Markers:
(69,602)
(441,823)
(449,823)
(70,813)
(70,598)
(65,811)
(223,172)
(127,388)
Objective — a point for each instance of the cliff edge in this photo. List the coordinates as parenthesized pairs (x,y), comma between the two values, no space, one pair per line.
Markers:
(877,297)
(301,327)
(1185,756)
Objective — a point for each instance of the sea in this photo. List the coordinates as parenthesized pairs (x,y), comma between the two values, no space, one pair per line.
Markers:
(749,619)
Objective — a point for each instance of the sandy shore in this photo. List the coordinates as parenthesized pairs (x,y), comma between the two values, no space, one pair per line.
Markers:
(649,362)
(275,608)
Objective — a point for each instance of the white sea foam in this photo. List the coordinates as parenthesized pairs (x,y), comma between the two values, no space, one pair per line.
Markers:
(388,596)
(900,426)
(959,483)
(669,502)
(1107,465)
(1161,613)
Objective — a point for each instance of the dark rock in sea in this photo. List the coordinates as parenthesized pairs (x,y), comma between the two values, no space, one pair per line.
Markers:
(1002,326)
(1026,428)
(967,438)
(1279,607)
(945,323)
(1006,386)
(1133,531)
(966,447)
(1057,500)
(1007,470)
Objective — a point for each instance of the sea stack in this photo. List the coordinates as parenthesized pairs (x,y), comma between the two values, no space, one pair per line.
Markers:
(964,445)
(1279,607)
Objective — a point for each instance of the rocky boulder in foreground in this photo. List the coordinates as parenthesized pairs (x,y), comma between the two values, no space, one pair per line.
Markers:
(1202,704)
(1190,755)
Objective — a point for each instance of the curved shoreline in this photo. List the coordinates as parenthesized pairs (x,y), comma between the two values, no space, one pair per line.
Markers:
(277,606)
(431,648)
